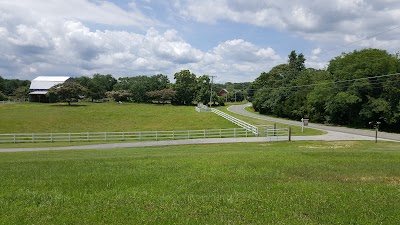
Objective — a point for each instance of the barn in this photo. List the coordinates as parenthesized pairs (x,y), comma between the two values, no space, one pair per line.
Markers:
(41,85)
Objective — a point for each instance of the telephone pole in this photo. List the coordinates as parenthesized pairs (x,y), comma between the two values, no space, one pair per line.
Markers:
(212,80)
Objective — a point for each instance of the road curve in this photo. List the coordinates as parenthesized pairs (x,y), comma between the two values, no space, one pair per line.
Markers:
(239,109)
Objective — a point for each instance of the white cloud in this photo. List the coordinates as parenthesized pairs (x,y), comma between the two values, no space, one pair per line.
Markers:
(82,37)
(324,21)
(101,12)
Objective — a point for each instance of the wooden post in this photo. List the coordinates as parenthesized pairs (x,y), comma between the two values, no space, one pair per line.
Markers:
(290,134)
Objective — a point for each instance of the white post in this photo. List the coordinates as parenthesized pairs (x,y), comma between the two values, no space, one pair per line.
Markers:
(302,125)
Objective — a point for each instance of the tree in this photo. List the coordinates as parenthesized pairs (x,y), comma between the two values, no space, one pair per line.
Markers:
(67,92)
(119,95)
(138,86)
(98,85)
(185,87)
(203,89)
(162,96)
(22,92)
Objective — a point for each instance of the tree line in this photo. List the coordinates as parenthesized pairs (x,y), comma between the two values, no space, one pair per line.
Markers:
(187,89)
(13,88)
(356,88)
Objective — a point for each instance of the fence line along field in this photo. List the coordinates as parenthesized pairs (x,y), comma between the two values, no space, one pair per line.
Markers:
(104,117)
(252,183)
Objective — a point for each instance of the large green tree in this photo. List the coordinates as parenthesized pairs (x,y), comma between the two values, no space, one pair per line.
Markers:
(67,92)
(185,87)
(203,89)
(98,85)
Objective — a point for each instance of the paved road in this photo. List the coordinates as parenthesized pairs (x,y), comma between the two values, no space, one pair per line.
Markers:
(239,109)
(331,136)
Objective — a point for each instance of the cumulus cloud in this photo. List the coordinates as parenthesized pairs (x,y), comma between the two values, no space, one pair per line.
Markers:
(82,37)
(70,48)
(325,21)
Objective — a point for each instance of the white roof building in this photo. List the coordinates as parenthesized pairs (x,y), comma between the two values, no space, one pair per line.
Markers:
(41,84)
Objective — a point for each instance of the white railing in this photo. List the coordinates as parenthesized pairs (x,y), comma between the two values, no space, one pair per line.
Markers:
(236,121)
(202,108)
(14,101)
(125,136)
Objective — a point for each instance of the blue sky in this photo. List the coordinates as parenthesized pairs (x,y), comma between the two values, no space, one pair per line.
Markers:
(234,40)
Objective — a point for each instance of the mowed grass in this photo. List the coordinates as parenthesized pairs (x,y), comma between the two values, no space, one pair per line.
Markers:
(104,117)
(257,183)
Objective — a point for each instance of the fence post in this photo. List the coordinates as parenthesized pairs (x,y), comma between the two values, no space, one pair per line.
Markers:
(274,129)
(51,137)
(204,133)
(173,135)
(105,136)
(188,134)
(14,139)
(69,135)
(220,133)
(156,135)
(33,138)
(123,136)
(290,134)
(87,134)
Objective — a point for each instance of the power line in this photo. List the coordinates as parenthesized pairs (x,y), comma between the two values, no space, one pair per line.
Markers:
(333,82)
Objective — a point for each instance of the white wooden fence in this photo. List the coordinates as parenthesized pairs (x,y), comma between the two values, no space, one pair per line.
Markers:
(283,134)
(240,123)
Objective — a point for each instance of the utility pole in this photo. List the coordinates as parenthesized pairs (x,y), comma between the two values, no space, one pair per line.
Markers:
(212,80)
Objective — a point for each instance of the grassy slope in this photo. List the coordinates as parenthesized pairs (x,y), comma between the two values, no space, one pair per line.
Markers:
(109,117)
(259,183)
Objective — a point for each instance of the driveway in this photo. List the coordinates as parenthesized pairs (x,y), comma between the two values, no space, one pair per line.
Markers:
(239,109)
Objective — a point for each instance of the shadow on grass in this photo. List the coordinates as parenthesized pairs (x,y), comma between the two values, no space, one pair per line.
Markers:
(72,105)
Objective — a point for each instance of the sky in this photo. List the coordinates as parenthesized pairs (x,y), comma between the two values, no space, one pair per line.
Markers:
(235,40)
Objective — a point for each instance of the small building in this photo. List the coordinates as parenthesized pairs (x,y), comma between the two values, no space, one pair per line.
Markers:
(223,92)
(41,85)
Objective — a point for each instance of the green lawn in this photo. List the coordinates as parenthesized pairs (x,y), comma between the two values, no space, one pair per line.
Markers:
(257,183)
(104,117)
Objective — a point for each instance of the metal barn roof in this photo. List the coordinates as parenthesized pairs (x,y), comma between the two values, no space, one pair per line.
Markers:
(46,82)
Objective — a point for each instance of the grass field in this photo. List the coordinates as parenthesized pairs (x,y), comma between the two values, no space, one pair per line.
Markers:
(258,183)
(104,117)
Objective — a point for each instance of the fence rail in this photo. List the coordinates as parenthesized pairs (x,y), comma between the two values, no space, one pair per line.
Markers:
(124,136)
(236,121)
(139,136)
